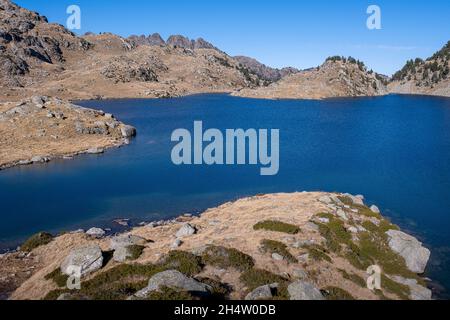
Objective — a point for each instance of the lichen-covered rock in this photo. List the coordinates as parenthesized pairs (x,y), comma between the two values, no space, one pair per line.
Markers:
(96,232)
(302,290)
(175,280)
(416,256)
(186,230)
(88,259)
(126,240)
(261,293)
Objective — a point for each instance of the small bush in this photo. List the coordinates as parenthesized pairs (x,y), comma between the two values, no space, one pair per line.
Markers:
(277,226)
(58,277)
(255,278)
(335,293)
(37,240)
(227,258)
(169,294)
(185,262)
(318,253)
(136,251)
(272,246)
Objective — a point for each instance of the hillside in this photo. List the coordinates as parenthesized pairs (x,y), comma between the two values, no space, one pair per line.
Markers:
(267,74)
(430,76)
(300,246)
(337,77)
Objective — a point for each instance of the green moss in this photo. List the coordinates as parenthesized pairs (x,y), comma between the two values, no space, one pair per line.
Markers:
(335,293)
(58,277)
(354,278)
(318,253)
(37,240)
(185,262)
(272,246)
(255,278)
(400,290)
(277,226)
(136,251)
(169,294)
(227,258)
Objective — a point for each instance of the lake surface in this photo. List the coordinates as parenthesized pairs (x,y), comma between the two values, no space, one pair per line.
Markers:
(395,150)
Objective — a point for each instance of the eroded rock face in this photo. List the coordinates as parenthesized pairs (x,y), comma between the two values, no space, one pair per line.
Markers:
(411,249)
(175,280)
(301,290)
(87,259)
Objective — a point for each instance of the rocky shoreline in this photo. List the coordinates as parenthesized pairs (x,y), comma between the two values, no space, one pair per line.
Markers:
(40,129)
(279,246)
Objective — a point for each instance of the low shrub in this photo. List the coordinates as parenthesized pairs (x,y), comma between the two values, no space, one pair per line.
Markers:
(35,241)
(227,258)
(272,246)
(277,226)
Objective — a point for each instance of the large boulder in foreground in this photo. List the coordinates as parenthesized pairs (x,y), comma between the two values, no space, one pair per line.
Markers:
(411,249)
(88,259)
(302,290)
(175,280)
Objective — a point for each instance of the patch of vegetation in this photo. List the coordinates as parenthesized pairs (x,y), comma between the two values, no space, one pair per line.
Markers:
(185,262)
(220,291)
(227,258)
(37,240)
(58,277)
(169,294)
(325,215)
(135,251)
(400,290)
(319,253)
(255,278)
(335,293)
(354,278)
(272,246)
(362,209)
(277,226)
(335,234)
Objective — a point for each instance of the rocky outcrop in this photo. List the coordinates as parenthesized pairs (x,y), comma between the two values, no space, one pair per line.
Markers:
(264,72)
(262,293)
(154,39)
(418,292)
(337,77)
(411,249)
(85,260)
(175,280)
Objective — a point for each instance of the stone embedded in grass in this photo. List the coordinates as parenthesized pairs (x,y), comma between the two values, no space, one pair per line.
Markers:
(124,253)
(35,241)
(302,290)
(261,293)
(126,240)
(87,260)
(185,231)
(277,226)
(175,280)
(374,209)
(411,249)
(277,248)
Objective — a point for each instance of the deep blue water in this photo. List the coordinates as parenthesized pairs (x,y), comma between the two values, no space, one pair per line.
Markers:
(395,150)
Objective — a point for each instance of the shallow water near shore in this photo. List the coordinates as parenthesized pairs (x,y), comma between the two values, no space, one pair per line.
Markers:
(394,149)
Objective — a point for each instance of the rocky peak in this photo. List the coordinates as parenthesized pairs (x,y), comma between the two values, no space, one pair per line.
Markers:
(264,72)
(154,39)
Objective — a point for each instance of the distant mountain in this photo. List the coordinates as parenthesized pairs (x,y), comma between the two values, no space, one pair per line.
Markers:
(178,41)
(430,76)
(264,72)
(337,77)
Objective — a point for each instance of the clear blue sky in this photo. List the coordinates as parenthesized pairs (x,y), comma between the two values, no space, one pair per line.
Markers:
(278,33)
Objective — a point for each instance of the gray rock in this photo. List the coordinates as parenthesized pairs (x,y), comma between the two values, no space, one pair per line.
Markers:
(39,159)
(341,214)
(260,293)
(353,229)
(359,199)
(418,292)
(277,257)
(122,254)
(304,257)
(411,249)
(176,244)
(326,200)
(299,274)
(186,230)
(88,259)
(128,131)
(95,150)
(96,232)
(375,209)
(323,220)
(126,240)
(302,290)
(312,226)
(175,280)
